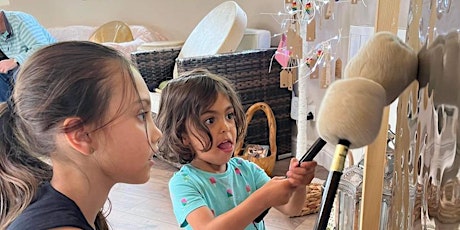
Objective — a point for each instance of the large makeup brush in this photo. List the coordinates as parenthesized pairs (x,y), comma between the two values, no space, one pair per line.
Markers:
(351,111)
(350,117)
(387,60)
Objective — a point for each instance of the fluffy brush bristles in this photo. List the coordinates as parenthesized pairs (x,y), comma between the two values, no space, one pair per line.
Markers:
(388,61)
(351,109)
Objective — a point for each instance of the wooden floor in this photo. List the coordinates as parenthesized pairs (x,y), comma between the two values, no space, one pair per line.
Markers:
(148,206)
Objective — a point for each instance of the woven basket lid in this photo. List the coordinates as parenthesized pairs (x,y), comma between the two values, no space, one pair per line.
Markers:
(220,31)
(159,45)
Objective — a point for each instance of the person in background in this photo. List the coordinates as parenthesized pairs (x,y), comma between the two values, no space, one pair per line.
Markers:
(202,119)
(79,121)
(21,35)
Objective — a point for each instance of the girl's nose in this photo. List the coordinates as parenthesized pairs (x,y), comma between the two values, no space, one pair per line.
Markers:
(154,132)
(226,126)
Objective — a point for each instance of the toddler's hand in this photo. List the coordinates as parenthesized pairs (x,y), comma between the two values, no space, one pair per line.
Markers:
(278,191)
(302,175)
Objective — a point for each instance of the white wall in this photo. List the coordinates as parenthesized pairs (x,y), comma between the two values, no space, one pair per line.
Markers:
(173,18)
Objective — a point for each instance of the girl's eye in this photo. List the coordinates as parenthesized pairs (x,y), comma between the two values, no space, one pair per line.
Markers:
(142,116)
(209,121)
(231,115)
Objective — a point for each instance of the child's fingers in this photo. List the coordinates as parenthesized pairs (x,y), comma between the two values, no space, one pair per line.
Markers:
(301,175)
(297,180)
(309,164)
(294,163)
(305,168)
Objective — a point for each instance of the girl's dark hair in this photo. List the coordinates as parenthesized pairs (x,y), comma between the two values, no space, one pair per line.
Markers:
(183,101)
(67,79)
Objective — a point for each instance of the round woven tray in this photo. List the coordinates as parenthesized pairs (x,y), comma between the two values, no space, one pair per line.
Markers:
(313,200)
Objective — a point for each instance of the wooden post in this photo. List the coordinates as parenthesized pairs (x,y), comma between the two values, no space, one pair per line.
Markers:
(387,14)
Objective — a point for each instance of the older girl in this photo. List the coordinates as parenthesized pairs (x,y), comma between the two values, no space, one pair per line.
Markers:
(86,108)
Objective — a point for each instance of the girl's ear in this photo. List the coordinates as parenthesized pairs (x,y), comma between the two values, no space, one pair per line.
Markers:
(185,139)
(78,138)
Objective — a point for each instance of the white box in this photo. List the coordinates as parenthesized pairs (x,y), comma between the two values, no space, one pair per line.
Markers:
(255,39)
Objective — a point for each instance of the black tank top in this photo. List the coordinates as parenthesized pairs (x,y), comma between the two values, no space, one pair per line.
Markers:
(50,209)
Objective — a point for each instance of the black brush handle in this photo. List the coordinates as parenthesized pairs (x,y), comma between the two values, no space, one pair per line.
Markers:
(332,185)
(262,215)
(313,150)
(308,156)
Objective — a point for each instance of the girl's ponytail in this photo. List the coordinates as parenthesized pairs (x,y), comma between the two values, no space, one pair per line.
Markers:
(20,172)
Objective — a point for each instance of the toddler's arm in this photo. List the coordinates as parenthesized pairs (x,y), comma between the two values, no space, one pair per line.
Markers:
(299,177)
(276,192)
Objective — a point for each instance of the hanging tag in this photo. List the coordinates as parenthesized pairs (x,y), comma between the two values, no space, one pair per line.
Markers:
(294,44)
(354,1)
(322,77)
(282,53)
(311,30)
(325,72)
(284,78)
(315,73)
(294,74)
(338,68)
(328,60)
(311,62)
(329,9)
(295,71)
(290,82)
(291,70)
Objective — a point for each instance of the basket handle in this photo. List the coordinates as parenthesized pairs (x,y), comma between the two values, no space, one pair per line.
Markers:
(271,125)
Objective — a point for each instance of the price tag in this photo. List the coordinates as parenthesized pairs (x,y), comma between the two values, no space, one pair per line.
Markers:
(325,72)
(338,68)
(311,30)
(294,43)
(284,78)
(329,9)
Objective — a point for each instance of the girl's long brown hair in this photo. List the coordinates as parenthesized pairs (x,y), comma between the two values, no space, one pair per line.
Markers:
(67,79)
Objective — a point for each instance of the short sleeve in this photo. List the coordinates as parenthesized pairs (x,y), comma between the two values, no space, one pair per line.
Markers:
(260,176)
(185,196)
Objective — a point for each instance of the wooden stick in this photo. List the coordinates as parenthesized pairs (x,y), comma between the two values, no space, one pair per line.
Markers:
(387,14)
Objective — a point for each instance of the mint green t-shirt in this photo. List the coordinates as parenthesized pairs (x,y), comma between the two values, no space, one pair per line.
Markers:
(191,188)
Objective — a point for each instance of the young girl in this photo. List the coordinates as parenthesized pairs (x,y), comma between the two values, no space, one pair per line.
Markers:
(86,108)
(202,119)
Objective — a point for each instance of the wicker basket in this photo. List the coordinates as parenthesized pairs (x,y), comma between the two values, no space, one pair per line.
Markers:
(313,199)
(155,65)
(268,162)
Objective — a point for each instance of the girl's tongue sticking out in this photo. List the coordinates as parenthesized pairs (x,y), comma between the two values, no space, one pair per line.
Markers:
(226,146)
